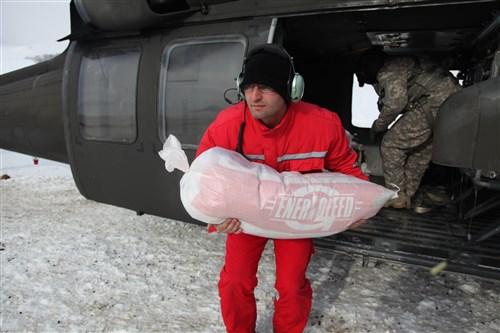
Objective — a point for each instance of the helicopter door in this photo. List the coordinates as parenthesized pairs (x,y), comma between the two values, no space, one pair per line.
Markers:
(126,95)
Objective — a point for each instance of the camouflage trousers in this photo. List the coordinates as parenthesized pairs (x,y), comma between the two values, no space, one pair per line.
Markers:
(406,148)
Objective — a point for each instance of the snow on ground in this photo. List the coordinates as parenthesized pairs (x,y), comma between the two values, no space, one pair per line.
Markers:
(69,264)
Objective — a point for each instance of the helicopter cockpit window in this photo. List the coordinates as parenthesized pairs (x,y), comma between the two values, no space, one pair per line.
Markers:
(107,94)
(195,73)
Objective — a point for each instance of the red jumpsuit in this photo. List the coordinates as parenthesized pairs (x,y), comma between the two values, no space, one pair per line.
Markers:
(308,139)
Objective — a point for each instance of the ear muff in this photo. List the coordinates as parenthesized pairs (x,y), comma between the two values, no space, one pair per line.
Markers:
(297,88)
(295,83)
(239,79)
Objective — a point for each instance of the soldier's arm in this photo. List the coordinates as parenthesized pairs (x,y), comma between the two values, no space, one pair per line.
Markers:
(394,94)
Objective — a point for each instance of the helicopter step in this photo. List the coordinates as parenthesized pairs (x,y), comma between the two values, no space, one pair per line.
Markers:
(426,240)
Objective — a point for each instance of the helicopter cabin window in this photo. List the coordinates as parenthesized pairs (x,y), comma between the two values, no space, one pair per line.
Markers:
(195,75)
(107,94)
(364,105)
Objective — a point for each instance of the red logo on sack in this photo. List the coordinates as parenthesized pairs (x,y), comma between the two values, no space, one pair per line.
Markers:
(312,207)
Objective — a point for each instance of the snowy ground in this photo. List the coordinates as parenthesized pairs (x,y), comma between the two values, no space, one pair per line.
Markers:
(72,265)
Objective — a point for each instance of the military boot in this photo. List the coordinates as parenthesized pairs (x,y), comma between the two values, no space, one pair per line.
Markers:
(437,198)
(429,199)
(402,201)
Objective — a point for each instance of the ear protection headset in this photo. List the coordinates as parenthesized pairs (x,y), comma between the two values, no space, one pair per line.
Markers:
(295,83)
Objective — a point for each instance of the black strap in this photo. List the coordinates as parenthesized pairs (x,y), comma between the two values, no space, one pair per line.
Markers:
(239,147)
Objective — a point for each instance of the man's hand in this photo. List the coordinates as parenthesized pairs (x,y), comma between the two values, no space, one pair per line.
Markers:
(229,226)
(357,224)
(374,135)
(376,132)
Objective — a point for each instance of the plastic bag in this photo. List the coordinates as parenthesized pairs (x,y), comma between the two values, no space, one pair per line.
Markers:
(221,184)
(173,155)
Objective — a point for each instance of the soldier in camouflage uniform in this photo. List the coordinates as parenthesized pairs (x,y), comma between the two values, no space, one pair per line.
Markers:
(414,88)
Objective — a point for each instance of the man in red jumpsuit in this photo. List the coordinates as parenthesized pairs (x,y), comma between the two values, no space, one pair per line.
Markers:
(272,126)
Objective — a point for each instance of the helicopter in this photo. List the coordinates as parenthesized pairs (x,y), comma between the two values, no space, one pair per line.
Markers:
(137,71)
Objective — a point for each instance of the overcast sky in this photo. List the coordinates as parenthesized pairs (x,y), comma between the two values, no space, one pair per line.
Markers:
(31,28)
(34,21)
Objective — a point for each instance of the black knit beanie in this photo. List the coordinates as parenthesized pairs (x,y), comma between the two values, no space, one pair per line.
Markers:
(269,66)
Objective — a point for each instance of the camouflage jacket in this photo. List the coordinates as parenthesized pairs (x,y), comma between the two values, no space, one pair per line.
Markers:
(396,87)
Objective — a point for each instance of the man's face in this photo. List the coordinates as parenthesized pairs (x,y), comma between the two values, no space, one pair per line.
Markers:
(265,104)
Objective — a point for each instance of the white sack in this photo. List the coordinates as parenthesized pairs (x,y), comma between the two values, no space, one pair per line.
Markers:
(221,183)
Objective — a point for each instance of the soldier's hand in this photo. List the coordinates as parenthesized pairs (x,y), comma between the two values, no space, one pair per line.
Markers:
(376,133)
(376,136)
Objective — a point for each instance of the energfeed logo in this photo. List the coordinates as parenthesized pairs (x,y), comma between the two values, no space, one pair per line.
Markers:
(312,207)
